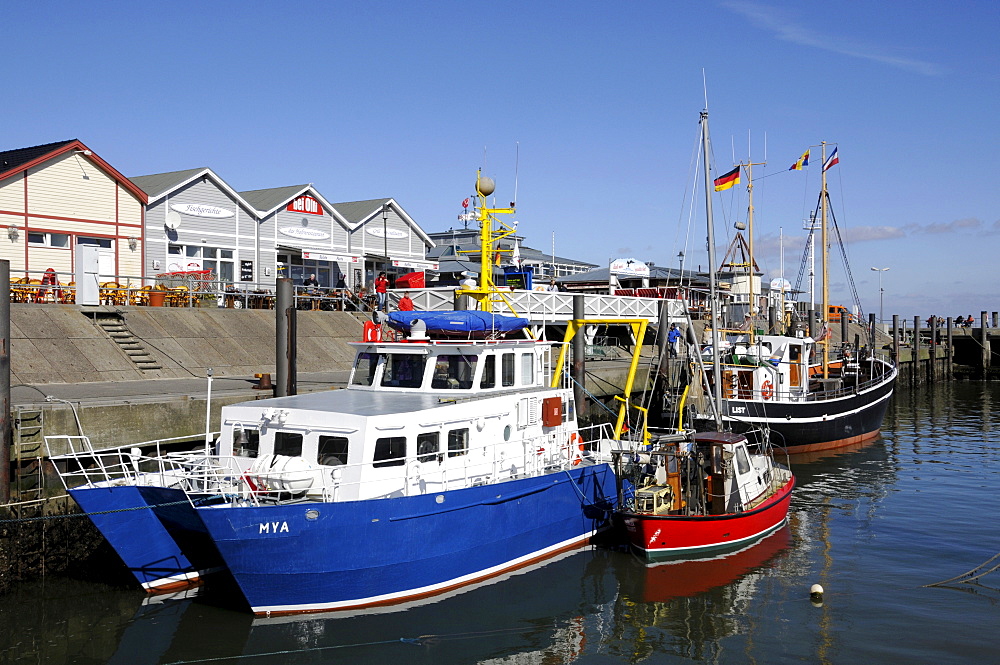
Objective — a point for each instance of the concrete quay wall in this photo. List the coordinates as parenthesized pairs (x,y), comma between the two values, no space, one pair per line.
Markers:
(64,344)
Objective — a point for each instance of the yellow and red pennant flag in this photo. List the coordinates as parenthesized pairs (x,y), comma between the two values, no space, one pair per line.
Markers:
(726,181)
(802,161)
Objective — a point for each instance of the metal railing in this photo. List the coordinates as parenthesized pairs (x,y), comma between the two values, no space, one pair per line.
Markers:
(254,482)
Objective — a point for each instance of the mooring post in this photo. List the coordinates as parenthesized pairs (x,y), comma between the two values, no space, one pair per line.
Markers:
(995,322)
(932,370)
(5,426)
(579,371)
(895,340)
(984,340)
(284,349)
(915,347)
(951,348)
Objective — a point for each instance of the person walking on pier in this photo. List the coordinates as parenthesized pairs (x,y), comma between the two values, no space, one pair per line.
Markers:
(673,339)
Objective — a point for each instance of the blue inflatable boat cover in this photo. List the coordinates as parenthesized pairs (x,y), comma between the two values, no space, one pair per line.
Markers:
(460,322)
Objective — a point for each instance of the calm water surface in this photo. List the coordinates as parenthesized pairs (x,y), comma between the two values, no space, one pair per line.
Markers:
(872,525)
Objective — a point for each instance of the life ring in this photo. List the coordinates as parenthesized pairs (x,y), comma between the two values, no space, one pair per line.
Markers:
(573,450)
(767,390)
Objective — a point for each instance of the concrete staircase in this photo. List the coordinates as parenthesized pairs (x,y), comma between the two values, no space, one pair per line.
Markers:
(113,324)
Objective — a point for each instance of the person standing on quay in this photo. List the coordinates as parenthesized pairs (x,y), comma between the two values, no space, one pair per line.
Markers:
(381,286)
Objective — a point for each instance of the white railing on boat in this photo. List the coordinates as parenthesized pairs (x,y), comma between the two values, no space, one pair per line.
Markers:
(206,477)
(144,463)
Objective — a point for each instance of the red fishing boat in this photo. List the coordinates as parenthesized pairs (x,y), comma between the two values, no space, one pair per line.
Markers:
(700,495)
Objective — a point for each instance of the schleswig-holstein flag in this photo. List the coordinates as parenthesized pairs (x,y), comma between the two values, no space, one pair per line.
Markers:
(832,160)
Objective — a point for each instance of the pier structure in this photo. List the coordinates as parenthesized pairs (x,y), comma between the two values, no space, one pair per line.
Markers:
(543,308)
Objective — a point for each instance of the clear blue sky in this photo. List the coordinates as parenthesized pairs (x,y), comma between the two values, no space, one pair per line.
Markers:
(403,99)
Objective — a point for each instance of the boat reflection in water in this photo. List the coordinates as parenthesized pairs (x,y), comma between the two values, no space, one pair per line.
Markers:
(589,601)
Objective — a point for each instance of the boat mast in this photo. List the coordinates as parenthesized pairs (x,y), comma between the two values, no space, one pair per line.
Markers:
(751,269)
(489,245)
(713,302)
(826,270)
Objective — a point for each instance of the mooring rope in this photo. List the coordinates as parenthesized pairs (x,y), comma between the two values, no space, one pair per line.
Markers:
(99,512)
(422,640)
(973,574)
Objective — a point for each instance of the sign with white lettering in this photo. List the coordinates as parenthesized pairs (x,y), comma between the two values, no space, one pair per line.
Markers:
(201,210)
(306,204)
(246,271)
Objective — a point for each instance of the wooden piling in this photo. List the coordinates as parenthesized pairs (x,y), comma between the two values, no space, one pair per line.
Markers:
(984,339)
(915,349)
(895,339)
(951,348)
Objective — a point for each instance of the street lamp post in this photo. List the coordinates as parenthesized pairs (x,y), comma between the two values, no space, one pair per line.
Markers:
(385,236)
(881,293)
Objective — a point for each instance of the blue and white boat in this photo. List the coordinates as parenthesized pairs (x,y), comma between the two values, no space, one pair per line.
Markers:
(444,463)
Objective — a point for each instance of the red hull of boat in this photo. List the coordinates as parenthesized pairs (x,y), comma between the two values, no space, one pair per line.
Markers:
(662,537)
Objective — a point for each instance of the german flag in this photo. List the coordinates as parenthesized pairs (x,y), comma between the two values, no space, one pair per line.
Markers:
(728,180)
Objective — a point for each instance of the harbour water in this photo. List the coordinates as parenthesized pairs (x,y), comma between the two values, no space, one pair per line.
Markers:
(872,525)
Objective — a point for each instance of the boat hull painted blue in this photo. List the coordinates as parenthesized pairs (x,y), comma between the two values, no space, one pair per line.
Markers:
(384,551)
(123,516)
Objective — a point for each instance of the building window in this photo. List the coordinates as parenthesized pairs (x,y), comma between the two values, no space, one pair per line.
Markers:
(215,259)
(49,239)
(103,243)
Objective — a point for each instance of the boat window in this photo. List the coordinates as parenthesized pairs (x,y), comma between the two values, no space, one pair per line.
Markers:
(364,369)
(428,446)
(489,379)
(507,370)
(458,442)
(454,372)
(527,369)
(288,443)
(246,442)
(403,370)
(742,463)
(332,450)
(794,353)
(390,451)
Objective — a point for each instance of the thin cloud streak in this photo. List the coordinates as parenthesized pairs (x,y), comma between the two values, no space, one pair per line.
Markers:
(771,19)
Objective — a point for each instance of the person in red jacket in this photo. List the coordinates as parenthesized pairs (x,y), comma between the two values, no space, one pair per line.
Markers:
(381,285)
(405,304)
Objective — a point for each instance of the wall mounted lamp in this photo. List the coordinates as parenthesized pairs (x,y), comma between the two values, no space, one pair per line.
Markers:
(12,233)
(133,243)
